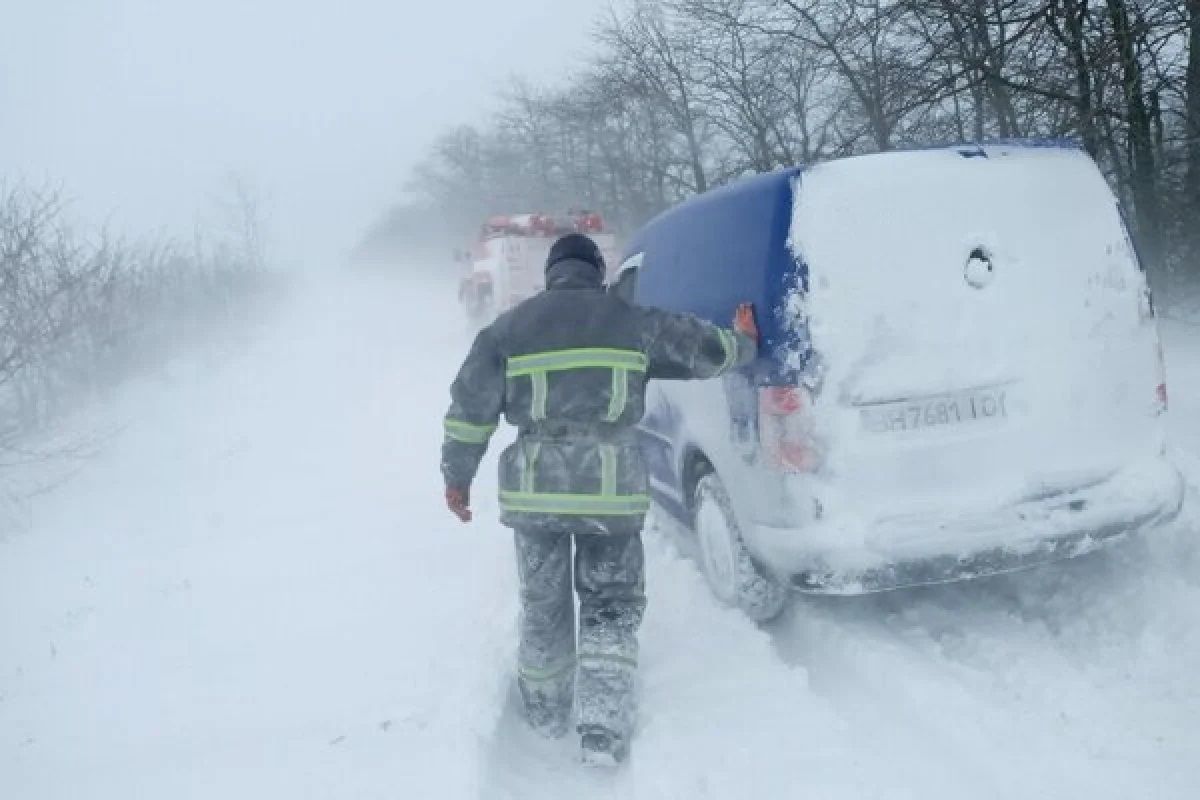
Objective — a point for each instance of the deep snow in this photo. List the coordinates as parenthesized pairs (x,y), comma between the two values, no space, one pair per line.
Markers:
(254,592)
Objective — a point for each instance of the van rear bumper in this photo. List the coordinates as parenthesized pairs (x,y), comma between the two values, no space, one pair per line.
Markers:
(835,557)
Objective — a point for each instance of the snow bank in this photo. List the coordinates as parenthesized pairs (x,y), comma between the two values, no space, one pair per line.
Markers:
(255,590)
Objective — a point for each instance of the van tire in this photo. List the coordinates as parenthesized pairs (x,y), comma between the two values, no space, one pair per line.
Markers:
(732,574)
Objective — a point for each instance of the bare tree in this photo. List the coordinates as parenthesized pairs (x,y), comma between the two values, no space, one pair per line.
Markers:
(78,313)
(685,94)
(664,55)
(884,70)
(1192,100)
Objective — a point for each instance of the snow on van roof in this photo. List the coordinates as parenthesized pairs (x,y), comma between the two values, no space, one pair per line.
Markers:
(1048,143)
(989,148)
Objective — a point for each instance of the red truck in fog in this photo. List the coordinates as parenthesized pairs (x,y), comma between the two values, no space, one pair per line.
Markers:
(505,266)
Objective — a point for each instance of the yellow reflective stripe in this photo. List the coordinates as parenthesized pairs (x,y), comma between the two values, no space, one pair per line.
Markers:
(575,504)
(608,470)
(619,395)
(468,432)
(607,658)
(532,451)
(579,358)
(537,403)
(730,346)
(546,673)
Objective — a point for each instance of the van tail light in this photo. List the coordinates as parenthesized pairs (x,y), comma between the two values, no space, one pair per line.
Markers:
(1160,390)
(785,429)
(1145,304)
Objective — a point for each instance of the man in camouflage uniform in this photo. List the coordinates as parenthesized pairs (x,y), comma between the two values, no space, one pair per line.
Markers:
(568,368)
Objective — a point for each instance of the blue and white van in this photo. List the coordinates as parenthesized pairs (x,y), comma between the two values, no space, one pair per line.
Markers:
(960,372)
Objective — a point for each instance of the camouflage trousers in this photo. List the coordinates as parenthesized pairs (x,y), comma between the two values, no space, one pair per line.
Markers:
(599,673)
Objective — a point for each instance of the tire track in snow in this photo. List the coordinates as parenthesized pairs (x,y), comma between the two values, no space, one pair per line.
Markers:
(721,715)
(1068,681)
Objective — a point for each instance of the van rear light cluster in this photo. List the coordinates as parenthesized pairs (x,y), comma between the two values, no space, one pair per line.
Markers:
(1145,304)
(785,428)
(1160,391)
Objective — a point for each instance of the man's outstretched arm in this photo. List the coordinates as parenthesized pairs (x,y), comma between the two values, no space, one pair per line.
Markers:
(476,402)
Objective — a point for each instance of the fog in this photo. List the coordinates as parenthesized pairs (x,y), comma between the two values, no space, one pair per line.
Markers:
(142,109)
(227,568)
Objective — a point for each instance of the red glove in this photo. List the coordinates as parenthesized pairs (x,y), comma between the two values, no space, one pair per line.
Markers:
(743,321)
(459,502)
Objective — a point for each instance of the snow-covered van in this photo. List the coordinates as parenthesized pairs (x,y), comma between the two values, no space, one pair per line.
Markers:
(960,372)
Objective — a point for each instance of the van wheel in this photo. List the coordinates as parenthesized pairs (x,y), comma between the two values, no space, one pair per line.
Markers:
(734,577)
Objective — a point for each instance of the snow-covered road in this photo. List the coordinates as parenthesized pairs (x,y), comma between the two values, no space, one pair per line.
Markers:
(254,592)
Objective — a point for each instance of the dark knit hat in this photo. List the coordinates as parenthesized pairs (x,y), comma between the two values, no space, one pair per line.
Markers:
(577,246)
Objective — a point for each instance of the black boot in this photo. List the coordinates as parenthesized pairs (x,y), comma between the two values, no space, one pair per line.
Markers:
(602,748)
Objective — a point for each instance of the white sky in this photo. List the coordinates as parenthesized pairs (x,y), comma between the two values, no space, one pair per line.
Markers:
(141,109)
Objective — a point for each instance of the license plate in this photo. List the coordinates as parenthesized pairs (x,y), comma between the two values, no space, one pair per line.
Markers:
(940,411)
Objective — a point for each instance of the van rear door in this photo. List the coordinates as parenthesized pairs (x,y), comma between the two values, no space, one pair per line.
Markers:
(984,325)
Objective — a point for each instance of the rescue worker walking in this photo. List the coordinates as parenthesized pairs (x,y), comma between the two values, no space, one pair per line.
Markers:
(568,368)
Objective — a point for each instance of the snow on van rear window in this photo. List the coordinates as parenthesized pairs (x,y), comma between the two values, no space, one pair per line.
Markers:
(888,241)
